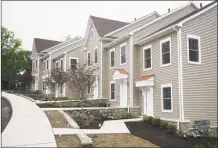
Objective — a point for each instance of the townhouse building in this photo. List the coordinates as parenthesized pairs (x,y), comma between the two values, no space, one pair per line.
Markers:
(165,64)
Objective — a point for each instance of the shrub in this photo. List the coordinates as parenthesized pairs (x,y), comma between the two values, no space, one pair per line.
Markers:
(145,118)
(156,121)
(124,115)
(211,145)
(102,104)
(163,124)
(150,118)
(171,129)
(197,146)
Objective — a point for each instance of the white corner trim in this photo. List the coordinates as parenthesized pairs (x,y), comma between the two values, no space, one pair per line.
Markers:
(112,50)
(161,42)
(113,82)
(199,48)
(101,79)
(163,86)
(122,45)
(146,48)
(131,45)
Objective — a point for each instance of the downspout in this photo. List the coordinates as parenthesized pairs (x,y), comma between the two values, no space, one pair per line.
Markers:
(178,30)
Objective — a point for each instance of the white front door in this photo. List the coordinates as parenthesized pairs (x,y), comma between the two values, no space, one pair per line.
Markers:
(123,94)
(96,87)
(148,100)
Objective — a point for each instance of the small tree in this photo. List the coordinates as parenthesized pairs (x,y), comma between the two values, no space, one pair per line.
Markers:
(81,78)
(56,77)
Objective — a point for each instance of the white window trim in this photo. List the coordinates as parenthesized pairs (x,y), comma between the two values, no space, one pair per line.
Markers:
(161,42)
(113,82)
(56,64)
(89,52)
(112,50)
(163,86)
(145,48)
(62,59)
(96,49)
(47,64)
(77,60)
(124,44)
(199,48)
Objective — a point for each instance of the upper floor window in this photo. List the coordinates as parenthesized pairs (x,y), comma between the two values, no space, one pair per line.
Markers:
(147,57)
(89,88)
(62,64)
(47,62)
(89,58)
(36,63)
(33,65)
(92,33)
(165,47)
(96,55)
(73,63)
(166,96)
(112,91)
(193,49)
(44,65)
(56,64)
(123,54)
(112,58)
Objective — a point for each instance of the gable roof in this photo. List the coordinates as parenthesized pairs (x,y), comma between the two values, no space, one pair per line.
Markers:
(104,26)
(145,77)
(121,71)
(42,44)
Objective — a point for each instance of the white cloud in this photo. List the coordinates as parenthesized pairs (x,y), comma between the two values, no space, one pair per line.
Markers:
(56,19)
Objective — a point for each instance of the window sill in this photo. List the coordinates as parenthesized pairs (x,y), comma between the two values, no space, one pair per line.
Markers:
(147,69)
(122,64)
(113,100)
(165,65)
(112,67)
(194,63)
(167,111)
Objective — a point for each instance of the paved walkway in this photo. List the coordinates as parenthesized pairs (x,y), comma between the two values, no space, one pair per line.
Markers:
(28,127)
(113,126)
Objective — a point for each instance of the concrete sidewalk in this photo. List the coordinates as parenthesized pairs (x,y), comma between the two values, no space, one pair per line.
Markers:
(28,127)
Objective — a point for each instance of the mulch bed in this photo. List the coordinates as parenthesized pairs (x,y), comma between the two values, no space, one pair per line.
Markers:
(158,137)
(6,112)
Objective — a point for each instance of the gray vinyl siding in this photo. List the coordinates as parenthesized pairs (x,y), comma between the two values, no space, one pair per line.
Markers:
(91,45)
(200,81)
(162,75)
(136,25)
(118,66)
(163,22)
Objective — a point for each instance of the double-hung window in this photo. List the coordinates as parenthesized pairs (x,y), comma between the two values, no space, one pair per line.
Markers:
(56,64)
(193,49)
(112,58)
(166,96)
(89,58)
(122,54)
(89,87)
(165,48)
(147,57)
(62,64)
(73,63)
(44,65)
(92,34)
(112,91)
(33,65)
(61,89)
(47,64)
(96,55)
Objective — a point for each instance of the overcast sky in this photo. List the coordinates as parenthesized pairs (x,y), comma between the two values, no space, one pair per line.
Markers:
(55,19)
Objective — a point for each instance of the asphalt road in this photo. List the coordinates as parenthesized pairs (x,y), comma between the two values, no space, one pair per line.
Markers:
(6,113)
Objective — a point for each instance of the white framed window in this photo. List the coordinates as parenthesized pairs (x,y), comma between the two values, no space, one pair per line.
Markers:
(123,54)
(96,55)
(88,58)
(89,88)
(147,57)
(33,64)
(193,49)
(91,34)
(36,63)
(44,65)
(47,64)
(56,64)
(112,91)
(112,58)
(62,64)
(165,52)
(73,63)
(166,97)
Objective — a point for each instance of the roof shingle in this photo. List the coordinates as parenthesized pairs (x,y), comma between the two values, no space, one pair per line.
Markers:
(42,44)
(104,26)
